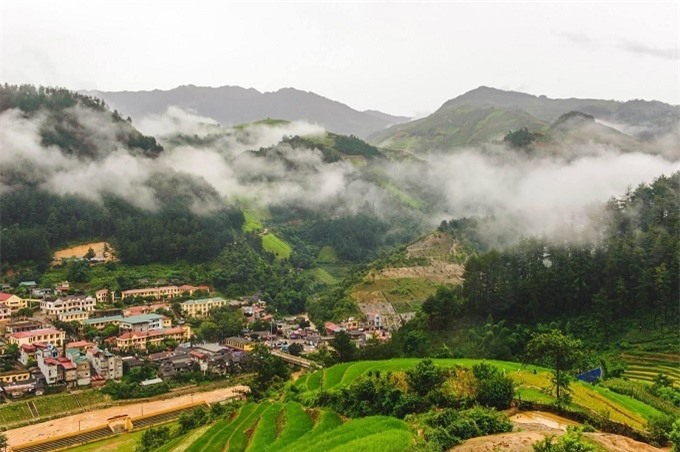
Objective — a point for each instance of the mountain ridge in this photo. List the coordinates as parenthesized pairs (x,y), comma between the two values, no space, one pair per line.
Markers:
(232,105)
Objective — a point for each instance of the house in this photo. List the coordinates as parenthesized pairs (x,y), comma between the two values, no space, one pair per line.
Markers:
(63,287)
(145,322)
(18,374)
(73,316)
(47,335)
(141,341)
(28,284)
(152,292)
(5,312)
(48,364)
(145,309)
(239,343)
(332,328)
(13,302)
(41,292)
(130,362)
(105,363)
(19,326)
(189,290)
(78,358)
(102,296)
(174,365)
(201,307)
(54,307)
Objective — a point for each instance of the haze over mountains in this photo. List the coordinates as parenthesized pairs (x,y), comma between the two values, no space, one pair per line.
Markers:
(480,116)
(486,114)
(232,105)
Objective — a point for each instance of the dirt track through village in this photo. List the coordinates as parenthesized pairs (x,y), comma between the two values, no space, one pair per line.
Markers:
(83,421)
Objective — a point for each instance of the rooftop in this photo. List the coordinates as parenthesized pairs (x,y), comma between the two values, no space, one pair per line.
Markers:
(111,318)
(39,332)
(203,301)
(142,318)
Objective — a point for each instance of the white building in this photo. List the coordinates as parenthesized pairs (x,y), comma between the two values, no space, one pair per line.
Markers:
(60,305)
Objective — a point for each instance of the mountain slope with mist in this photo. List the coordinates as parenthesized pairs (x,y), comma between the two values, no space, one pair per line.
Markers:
(486,114)
(231,105)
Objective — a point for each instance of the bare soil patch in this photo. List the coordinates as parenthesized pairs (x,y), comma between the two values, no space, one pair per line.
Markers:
(81,250)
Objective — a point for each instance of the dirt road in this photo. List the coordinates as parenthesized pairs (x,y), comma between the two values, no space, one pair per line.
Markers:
(72,424)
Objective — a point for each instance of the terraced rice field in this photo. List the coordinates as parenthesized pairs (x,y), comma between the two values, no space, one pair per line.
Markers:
(532,383)
(644,366)
(277,426)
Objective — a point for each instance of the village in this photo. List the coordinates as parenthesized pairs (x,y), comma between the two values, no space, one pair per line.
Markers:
(56,339)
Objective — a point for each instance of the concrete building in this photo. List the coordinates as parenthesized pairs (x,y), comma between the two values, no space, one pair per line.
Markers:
(78,358)
(202,306)
(13,302)
(5,313)
(141,341)
(73,316)
(144,323)
(57,306)
(152,292)
(105,364)
(102,296)
(102,322)
(45,335)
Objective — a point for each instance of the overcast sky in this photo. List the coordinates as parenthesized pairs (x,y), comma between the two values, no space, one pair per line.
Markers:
(401,58)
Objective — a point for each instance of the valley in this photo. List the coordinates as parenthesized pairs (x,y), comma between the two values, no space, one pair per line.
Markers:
(414,272)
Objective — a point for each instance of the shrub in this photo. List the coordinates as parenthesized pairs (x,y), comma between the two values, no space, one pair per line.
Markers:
(572,441)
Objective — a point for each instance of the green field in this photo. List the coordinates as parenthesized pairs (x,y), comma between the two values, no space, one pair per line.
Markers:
(276,426)
(251,222)
(321,275)
(532,383)
(280,248)
(327,255)
(644,366)
(50,405)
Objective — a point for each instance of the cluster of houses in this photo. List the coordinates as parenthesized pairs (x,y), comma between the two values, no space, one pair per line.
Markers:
(47,358)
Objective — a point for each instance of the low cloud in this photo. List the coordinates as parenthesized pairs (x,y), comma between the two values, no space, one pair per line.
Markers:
(543,195)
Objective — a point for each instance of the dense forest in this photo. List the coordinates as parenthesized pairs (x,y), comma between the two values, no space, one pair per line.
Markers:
(628,271)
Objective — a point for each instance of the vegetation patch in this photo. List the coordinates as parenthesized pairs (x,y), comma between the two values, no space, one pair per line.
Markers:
(280,248)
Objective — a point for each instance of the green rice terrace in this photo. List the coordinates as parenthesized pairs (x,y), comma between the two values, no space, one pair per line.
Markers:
(645,366)
(532,382)
(289,427)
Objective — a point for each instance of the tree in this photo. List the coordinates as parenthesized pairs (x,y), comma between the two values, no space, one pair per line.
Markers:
(492,388)
(269,369)
(90,254)
(24,312)
(562,354)
(342,344)
(425,377)
(295,349)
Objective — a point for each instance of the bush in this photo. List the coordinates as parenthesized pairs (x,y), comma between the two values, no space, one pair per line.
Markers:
(492,388)
(450,427)
(660,428)
(153,438)
(572,441)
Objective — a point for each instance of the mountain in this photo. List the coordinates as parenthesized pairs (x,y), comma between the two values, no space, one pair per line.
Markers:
(231,105)
(486,114)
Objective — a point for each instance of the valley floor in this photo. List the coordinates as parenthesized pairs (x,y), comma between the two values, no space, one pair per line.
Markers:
(83,421)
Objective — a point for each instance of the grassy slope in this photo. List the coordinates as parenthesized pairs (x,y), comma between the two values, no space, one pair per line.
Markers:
(279,247)
(257,428)
(532,384)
